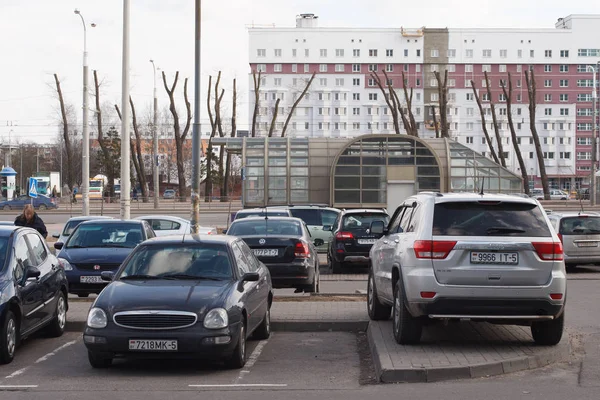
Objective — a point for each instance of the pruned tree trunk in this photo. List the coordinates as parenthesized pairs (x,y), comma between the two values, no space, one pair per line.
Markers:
(219,124)
(256,100)
(298,100)
(443,105)
(275,112)
(495,121)
(141,170)
(390,99)
(513,134)
(532,94)
(227,177)
(435,123)
(65,125)
(210,155)
(134,159)
(488,139)
(110,169)
(409,97)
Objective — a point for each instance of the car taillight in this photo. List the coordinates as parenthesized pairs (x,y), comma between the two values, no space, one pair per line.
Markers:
(549,250)
(301,250)
(560,237)
(433,249)
(344,235)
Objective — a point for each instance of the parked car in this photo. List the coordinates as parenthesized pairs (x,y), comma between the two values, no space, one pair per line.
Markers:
(33,289)
(555,194)
(182,296)
(468,256)
(39,203)
(169,194)
(316,218)
(352,237)
(96,246)
(583,194)
(164,225)
(285,246)
(70,226)
(262,212)
(580,236)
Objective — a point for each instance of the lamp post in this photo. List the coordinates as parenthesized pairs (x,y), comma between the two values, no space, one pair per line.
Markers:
(594,131)
(196,143)
(85,153)
(125,149)
(155,143)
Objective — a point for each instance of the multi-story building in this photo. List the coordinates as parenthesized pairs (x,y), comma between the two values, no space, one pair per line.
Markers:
(344,100)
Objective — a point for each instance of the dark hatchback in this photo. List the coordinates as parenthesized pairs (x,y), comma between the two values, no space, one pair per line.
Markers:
(33,289)
(192,296)
(285,246)
(352,237)
(97,246)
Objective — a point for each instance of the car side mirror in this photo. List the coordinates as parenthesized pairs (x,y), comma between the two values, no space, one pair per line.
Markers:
(58,245)
(55,235)
(247,277)
(327,228)
(107,276)
(32,272)
(319,242)
(224,231)
(377,227)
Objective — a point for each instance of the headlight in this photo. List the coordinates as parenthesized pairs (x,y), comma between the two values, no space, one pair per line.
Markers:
(97,318)
(216,319)
(65,264)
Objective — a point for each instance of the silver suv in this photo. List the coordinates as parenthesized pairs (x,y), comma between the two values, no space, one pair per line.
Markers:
(468,256)
(580,236)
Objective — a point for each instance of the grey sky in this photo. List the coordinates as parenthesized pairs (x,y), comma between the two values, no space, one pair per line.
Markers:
(42,37)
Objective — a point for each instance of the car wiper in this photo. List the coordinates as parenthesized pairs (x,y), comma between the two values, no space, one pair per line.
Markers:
(499,229)
(76,246)
(139,276)
(113,245)
(189,277)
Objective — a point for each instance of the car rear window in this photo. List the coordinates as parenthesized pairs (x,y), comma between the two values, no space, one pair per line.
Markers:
(266,227)
(310,217)
(353,222)
(489,219)
(580,225)
(241,215)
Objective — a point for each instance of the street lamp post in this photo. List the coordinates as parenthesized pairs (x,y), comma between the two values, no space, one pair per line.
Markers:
(85,153)
(594,132)
(155,143)
(196,143)
(125,149)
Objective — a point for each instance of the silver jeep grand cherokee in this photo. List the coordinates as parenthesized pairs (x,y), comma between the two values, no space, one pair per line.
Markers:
(468,256)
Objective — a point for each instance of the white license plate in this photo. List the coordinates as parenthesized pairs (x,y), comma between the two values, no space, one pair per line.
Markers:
(367,241)
(587,244)
(152,345)
(266,252)
(90,279)
(485,257)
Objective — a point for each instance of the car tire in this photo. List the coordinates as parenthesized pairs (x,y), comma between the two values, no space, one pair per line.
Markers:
(407,329)
(98,360)
(42,207)
(264,329)
(548,333)
(9,337)
(314,286)
(6,208)
(238,358)
(336,266)
(57,326)
(376,310)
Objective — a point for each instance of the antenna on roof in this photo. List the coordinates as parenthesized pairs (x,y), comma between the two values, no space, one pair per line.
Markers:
(482,182)
(580,204)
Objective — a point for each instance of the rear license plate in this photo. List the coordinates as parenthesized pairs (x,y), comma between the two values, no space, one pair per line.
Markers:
(483,257)
(90,279)
(266,252)
(587,244)
(152,345)
(367,241)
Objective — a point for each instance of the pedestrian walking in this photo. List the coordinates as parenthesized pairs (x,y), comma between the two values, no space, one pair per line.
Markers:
(30,219)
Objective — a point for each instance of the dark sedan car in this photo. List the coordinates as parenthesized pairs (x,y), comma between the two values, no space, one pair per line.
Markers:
(39,203)
(352,237)
(285,246)
(198,296)
(96,246)
(33,289)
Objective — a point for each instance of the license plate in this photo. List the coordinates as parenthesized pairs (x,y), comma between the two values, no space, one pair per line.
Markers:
(367,241)
(90,279)
(587,244)
(152,345)
(266,252)
(483,257)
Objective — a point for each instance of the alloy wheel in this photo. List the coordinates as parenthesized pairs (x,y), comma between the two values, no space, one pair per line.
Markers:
(61,312)
(11,337)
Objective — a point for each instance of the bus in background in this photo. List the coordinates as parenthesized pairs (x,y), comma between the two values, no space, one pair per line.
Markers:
(96,188)
(46,181)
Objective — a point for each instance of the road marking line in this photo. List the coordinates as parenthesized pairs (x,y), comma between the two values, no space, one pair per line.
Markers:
(252,359)
(18,386)
(16,373)
(242,385)
(47,356)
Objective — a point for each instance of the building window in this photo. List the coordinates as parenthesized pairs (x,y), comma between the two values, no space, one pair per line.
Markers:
(355,96)
(356,53)
(469,139)
(451,68)
(584,126)
(486,68)
(435,97)
(435,53)
(547,68)
(294,52)
(356,82)
(548,83)
(277,81)
(389,68)
(547,97)
(502,68)
(306,52)
(564,83)
(339,52)
(564,54)
(469,53)
(548,53)
(520,53)
(548,111)
(433,83)
(564,111)
(563,68)
(563,97)
(261,67)
(339,82)
(373,96)
(405,52)
(277,68)
(487,53)
(389,53)
(519,68)
(373,53)
(323,52)
(356,111)
(502,98)
(451,53)
(503,53)
(294,67)
(470,126)
(355,67)
(371,82)
(584,112)
(470,97)
(468,67)
(531,53)
(584,155)
(470,112)
(451,83)
(418,52)
(339,67)
(322,67)
(584,97)
(261,52)
(323,81)
(588,52)
(372,67)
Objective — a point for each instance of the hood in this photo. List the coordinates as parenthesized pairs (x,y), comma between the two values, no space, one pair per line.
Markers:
(194,296)
(105,255)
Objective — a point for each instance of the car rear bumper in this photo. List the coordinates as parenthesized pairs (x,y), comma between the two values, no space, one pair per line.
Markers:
(291,274)
(493,308)
(586,259)
(354,258)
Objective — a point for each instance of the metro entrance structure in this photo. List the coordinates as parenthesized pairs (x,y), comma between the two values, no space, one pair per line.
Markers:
(370,171)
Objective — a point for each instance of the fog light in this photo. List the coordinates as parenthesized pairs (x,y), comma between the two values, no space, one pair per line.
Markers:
(94,339)
(216,340)
(556,296)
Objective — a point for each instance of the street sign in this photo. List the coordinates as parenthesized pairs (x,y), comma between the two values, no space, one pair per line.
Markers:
(33,188)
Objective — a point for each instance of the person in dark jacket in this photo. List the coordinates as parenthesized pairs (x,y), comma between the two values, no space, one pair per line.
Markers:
(30,219)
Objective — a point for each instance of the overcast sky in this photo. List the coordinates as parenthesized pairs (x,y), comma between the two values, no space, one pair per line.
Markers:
(43,37)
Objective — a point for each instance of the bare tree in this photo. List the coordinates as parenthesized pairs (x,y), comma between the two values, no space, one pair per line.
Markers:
(532,94)
(483,124)
(275,112)
(65,134)
(408,96)
(495,120)
(105,148)
(219,124)
(257,82)
(435,122)
(443,102)
(214,129)
(511,125)
(389,97)
(228,167)
(298,100)
(180,136)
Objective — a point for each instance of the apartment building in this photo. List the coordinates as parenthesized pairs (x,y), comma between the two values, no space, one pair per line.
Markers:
(344,101)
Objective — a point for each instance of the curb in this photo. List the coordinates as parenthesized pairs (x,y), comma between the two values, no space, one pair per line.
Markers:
(386,373)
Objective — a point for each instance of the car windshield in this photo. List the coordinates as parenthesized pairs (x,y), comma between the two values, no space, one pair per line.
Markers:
(362,221)
(247,214)
(70,227)
(3,251)
(181,261)
(580,225)
(494,218)
(268,227)
(106,235)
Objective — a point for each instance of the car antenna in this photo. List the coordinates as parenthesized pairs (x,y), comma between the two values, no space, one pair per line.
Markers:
(482,182)
(581,205)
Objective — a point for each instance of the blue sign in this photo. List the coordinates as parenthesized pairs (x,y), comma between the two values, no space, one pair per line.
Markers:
(33,188)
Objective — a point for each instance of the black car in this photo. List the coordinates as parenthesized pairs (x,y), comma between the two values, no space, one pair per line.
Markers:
(96,246)
(352,237)
(33,289)
(285,246)
(198,296)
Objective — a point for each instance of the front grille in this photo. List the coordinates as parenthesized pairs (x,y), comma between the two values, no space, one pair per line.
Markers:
(103,267)
(155,320)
